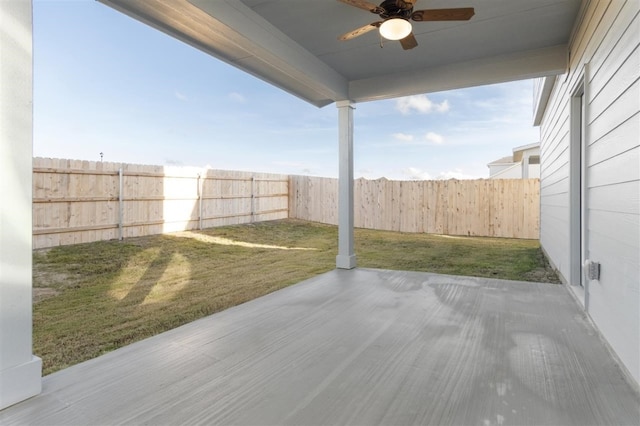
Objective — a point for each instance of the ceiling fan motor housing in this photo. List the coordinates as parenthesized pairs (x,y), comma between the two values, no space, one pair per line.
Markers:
(394,9)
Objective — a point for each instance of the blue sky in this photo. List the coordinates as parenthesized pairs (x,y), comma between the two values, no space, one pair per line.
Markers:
(106,83)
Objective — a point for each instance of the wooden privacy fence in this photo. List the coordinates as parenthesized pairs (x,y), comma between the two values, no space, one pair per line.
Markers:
(82,201)
(489,208)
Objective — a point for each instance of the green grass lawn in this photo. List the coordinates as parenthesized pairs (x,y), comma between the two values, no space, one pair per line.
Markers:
(93,298)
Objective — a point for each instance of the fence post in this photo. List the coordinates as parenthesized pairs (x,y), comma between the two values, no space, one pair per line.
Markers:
(120,204)
(200,185)
(253,207)
(289,186)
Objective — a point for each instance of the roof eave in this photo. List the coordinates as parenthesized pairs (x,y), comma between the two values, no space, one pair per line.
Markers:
(541,95)
(260,50)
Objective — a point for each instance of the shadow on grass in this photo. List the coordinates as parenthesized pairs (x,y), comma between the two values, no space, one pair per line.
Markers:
(113,293)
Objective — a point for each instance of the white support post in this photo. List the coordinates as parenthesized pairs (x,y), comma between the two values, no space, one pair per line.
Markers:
(20,371)
(346,258)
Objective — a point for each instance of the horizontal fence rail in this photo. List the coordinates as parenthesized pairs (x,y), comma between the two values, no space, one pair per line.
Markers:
(83,201)
(488,208)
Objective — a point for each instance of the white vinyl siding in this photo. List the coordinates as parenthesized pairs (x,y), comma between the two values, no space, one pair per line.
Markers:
(607,39)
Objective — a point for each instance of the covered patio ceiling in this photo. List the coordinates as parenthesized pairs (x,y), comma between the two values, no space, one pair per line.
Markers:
(293,44)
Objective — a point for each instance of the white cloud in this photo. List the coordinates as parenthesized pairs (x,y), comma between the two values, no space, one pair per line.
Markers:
(442,106)
(416,174)
(455,174)
(421,104)
(181,96)
(435,138)
(430,138)
(404,137)
(237,97)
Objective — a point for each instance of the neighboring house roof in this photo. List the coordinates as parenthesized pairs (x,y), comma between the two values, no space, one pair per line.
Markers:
(526,147)
(520,151)
(516,157)
(513,166)
(503,160)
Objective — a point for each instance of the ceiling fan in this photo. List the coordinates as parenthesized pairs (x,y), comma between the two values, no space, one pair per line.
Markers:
(395,16)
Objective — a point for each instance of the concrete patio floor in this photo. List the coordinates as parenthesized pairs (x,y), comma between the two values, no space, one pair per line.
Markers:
(358,347)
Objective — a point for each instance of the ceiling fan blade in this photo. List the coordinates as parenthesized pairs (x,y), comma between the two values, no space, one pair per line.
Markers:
(409,42)
(362,4)
(458,14)
(359,31)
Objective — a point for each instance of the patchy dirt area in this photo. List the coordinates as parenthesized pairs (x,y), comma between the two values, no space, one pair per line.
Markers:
(544,273)
(43,293)
(47,282)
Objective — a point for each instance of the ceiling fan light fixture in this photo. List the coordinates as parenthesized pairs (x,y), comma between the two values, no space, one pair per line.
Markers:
(395,29)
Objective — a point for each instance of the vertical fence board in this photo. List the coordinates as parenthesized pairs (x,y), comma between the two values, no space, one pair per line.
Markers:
(490,208)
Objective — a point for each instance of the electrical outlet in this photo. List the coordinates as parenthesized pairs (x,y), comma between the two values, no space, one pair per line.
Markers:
(592,270)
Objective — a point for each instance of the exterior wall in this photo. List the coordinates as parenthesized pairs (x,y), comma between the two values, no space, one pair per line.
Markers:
(534,171)
(515,172)
(494,169)
(512,172)
(604,55)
